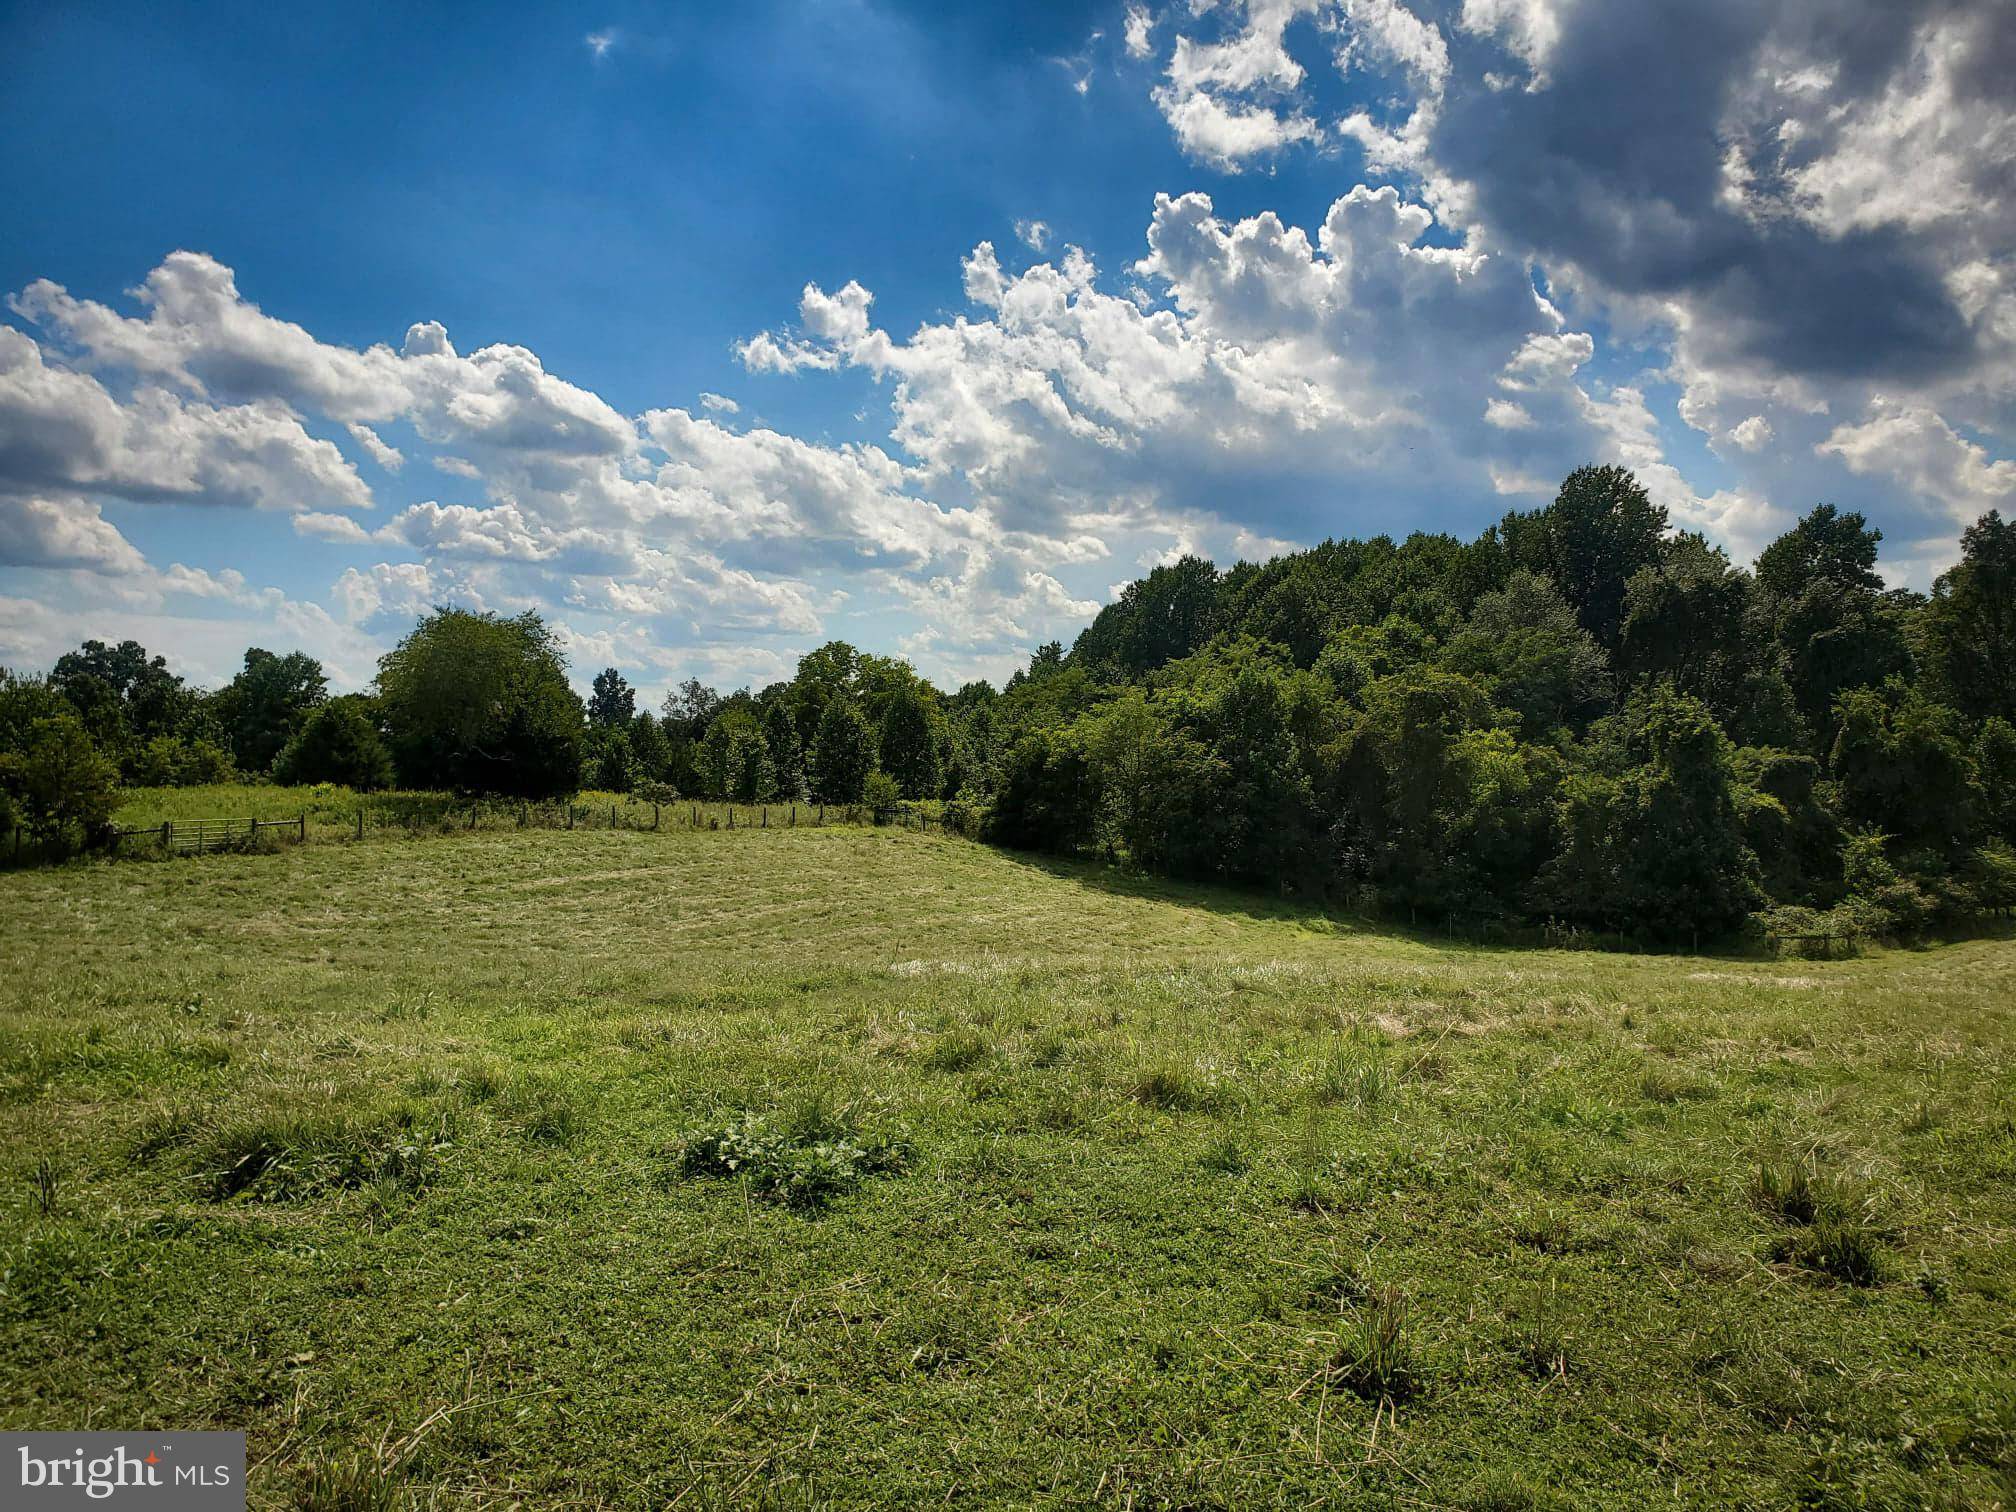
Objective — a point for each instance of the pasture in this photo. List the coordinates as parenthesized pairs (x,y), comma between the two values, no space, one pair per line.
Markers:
(851,1167)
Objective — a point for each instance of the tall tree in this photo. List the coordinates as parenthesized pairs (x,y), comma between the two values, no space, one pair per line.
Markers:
(787,754)
(1160,618)
(482,704)
(145,698)
(909,744)
(1904,768)
(843,753)
(1524,645)
(337,743)
(650,751)
(1969,627)
(1826,546)
(1601,528)
(612,700)
(689,709)
(267,703)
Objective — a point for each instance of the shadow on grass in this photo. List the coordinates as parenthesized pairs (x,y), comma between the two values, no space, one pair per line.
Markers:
(1233,902)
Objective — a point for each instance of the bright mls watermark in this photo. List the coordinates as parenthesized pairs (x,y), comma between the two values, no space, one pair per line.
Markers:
(162,1472)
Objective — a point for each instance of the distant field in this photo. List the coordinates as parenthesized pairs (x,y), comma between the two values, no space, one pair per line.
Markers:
(1108,1193)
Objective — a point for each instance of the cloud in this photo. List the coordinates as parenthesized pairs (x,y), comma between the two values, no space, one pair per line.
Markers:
(62,430)
(386,456)
(1033,234)
(330,527)
(1753,434)
(1223,97)
(600,42)
(58,532)
(1330,383)
(1805,212)
(719,404)
(1140,28)
(1914,447)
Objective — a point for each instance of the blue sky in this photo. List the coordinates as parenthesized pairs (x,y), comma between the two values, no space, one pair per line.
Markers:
(714,332)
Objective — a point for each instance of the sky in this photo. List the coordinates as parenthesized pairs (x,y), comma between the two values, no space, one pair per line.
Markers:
(712,333)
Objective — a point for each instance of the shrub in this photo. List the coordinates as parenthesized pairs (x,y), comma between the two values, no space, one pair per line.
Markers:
(882,794)
(59,784)
(339,745)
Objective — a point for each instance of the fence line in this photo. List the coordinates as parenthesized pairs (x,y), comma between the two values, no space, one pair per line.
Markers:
(203,835)
(195,836)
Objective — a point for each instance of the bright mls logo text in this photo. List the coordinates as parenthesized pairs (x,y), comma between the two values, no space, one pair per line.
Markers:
(195,1471)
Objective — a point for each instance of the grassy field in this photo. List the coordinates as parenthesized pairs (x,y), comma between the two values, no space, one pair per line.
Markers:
(853,1167)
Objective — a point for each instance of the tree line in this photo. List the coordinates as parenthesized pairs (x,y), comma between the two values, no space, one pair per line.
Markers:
(1579,717)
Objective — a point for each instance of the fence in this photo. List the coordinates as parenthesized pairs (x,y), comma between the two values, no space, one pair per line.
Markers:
(441,814)
(195,836)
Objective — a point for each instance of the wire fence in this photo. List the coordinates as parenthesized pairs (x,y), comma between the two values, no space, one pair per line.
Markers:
(408,817)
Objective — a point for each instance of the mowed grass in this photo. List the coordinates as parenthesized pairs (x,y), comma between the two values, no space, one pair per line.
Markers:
(851,1167)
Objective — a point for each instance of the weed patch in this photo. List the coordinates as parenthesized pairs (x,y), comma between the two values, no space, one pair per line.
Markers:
(293,1157)
(804,1161)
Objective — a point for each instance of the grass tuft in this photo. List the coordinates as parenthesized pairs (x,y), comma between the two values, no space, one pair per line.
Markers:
(960,1050)
(1377,1359)
(294,1157)
(1538,1340)
(1359,1076)
(350,1483)
(1832,1222)
(43,1181)
(1177,1089)
(1226,1157)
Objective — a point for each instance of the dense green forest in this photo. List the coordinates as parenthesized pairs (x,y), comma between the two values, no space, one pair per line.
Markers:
(1580,720)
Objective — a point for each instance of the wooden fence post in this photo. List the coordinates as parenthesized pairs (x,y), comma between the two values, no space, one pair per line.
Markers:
(794,816)
(766,816)
(822,813)
(612,816)
(304,826)
(731,816)
(654,816)
(164,838)
(570,816)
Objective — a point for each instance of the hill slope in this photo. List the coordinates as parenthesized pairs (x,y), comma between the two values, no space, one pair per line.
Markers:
(376,1151)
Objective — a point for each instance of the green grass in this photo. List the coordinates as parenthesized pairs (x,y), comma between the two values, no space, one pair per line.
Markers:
(848,1167)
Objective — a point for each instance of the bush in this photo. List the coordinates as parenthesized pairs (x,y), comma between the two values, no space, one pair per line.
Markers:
(337,745)
(169,761)
(882,794)
(59,785)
